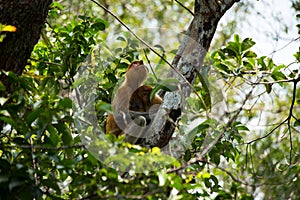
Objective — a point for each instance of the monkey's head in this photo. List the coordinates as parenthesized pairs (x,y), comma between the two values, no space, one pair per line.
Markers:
(140,99)
(136,74)
(134,64)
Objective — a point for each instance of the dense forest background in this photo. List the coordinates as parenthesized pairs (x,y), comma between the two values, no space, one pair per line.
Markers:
(237,136)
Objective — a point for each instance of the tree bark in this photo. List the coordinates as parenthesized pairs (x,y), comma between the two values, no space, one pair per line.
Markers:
(187,61)
(28,16)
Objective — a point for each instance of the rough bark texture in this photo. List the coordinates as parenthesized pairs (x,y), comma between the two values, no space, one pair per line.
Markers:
(28,16)
(188,61)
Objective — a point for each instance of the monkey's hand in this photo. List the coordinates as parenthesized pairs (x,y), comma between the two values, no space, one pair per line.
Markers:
(135,129)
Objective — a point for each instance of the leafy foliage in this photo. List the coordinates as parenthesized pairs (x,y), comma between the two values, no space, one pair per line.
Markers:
(43,157)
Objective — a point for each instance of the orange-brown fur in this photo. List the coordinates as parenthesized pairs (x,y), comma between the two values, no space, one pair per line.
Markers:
(139,101)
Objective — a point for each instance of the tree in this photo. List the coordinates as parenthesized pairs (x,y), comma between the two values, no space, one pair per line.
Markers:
(42,153)
(190,56)
(29,18)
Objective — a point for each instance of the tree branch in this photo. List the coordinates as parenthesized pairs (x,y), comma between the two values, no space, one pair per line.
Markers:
(287,120)
(36,147)
(188,62)
(184,67)
(142,41)
(184,7)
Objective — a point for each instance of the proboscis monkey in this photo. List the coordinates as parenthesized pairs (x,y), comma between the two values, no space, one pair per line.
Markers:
(131,96)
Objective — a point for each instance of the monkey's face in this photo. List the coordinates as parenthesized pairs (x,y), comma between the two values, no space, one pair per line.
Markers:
(140,99)
(134,64)
(136,74)
(144,93)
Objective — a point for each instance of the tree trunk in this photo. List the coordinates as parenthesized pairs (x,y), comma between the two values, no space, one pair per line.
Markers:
(187,61)
(28,16)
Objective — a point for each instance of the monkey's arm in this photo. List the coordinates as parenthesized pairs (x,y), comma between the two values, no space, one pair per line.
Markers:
(135,129)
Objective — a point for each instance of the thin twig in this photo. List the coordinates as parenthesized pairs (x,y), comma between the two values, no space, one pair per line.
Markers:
(288,119)
(148,46)
(35,176)
(265,136)
(233,177)
(145,53)
(290,116)
(279,81)
(33,147)
(293,40)
(45,62)
(186,8)
(199,157)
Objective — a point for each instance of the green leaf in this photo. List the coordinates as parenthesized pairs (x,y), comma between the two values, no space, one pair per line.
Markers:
(242,128)
(216,183)
(277,75)
(92,159)
(10,121)
(159,47)
(232,50)
(261,62)
(121,38)
(33,115)
(170,84)
(250,63)
(207,183)
(187,155)
(53,134)
(99,26)
(52,183)
(2,87)
(216,159)
(101,105)
(223,67)
(297,122)
(56,5)
(270,64)
(65,103)
(66,134)
(219,53)
(198,129)
(268,87)
(177,182)
(236,38)
(229,155)
(122,65)
(279,67)
(204,82)
(297,55)
(247,44)
(249,54)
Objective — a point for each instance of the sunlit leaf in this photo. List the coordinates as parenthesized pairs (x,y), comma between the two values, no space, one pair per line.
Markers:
(9,28)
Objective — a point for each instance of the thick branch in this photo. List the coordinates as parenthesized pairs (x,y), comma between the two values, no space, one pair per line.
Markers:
(187,61)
